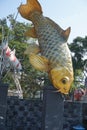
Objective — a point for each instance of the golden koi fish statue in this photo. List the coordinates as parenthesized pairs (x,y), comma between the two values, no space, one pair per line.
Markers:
(52,54)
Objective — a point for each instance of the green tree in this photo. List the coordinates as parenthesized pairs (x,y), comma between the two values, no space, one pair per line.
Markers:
(79,57)
(17,29)
(3,28)
(31,79)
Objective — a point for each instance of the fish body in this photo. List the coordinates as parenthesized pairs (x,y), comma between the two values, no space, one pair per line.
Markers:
(52,54)
(9,57)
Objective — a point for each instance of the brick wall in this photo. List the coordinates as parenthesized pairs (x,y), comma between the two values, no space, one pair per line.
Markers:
(72,114)
(25,114)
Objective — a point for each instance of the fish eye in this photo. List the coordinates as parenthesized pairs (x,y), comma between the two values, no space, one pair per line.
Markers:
(65,80)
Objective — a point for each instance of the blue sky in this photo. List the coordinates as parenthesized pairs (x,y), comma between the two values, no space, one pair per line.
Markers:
(64,12)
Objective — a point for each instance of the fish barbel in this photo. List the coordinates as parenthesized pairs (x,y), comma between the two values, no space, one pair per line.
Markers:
(52,54)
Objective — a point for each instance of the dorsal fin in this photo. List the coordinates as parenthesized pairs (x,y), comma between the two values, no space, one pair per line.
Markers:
(63,33)
(66,33)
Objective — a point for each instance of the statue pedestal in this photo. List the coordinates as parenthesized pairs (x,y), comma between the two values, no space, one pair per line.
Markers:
(3,104)
(53,107)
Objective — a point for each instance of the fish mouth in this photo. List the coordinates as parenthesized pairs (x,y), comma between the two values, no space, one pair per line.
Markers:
(64,86)
(63,91)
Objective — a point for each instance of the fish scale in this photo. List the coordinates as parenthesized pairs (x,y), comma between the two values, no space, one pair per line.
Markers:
(49,42)
(52,54)
(52,50)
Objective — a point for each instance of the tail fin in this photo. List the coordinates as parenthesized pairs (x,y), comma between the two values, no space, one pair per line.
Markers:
(28,8)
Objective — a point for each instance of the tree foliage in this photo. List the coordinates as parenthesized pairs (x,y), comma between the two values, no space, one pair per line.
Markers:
(79,48)
(79,57)
(31,79)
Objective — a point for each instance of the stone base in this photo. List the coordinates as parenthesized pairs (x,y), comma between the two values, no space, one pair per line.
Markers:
(3,104)
(53,109)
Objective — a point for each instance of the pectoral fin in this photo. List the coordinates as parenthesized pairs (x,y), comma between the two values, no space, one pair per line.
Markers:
(39,62)
(33,48)
(31,33)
